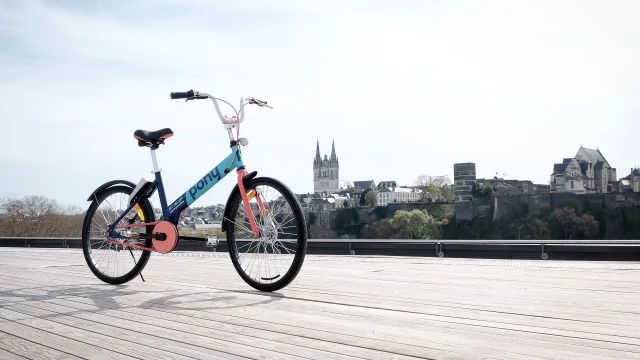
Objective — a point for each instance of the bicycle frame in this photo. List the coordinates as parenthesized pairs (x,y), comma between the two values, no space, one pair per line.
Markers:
(172,212)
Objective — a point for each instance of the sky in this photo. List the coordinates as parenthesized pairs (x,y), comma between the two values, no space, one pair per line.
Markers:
(404,88)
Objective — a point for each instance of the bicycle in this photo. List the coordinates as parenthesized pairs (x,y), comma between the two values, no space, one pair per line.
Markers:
(132,226)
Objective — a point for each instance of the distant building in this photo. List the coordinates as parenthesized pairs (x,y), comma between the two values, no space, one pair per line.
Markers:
(570,176)
(630,182)
(512,187)
(326,172)
(587,172)
(340,201)
(635,179)
(386,184)
(364,185)
(464,180)
(390,195)
(212,225)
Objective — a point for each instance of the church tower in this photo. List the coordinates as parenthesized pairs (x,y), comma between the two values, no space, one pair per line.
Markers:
(326,172)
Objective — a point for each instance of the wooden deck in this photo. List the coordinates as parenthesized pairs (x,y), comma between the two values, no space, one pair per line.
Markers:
(197,307)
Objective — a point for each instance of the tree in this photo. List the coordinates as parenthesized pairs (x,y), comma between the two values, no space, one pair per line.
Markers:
(370,198)
(565,223)
(320,230)
(345,221)
(381,229)
(436,186)
(39,216)
(416,224)
(486,191)
(319,226)
(441,211)
(536,229)
(590,226)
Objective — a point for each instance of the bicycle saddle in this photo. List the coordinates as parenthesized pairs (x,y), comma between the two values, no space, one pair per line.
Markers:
(146,138)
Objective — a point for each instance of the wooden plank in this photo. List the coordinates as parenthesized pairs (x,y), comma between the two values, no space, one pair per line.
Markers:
(259,340)
(67,345)
(332,348)
(24,349)
(6,355)
(110,337)
(391,334)
(384,343)
(200,339)
(128,300)
(462,311)
(369,338)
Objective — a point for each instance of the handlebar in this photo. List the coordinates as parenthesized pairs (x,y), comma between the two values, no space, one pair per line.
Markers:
(193,95)
(182,95)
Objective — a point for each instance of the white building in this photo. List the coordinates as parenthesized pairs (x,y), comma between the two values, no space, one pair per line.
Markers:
(569,176)
(212,225)
(587,172)
(390,195)
(632,181)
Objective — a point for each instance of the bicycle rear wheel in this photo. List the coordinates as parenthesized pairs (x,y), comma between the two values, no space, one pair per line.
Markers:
(113,263)
(273,260)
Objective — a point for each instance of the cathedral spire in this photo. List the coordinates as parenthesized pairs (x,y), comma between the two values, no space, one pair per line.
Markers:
(333,150)
(318,158)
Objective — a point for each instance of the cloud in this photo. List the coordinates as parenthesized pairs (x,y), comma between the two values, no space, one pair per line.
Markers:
(404,88)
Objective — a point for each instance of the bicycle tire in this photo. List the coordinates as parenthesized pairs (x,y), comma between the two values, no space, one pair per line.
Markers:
(301,240)
(149,216)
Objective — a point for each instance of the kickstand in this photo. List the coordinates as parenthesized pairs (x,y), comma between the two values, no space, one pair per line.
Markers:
(134,261)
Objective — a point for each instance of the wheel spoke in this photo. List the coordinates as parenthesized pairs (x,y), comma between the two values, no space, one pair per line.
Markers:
(113,263)
(274,258)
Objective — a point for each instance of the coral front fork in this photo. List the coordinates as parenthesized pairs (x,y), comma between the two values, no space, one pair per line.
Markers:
(245,200)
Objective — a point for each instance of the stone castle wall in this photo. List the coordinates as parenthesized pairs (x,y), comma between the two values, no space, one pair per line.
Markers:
(535,204)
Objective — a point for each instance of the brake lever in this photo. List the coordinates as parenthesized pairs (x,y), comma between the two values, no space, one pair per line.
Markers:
(259,103)
(196,97)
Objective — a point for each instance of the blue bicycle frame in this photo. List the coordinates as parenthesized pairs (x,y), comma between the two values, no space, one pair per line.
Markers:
(172,212)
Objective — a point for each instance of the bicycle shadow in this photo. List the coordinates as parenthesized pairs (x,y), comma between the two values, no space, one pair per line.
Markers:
(116,297)
(205,300)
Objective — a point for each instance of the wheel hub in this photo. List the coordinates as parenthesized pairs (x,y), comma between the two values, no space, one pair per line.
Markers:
(269,233)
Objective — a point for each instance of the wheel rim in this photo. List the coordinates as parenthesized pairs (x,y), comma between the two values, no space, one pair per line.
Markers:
(112,260)
(267,259)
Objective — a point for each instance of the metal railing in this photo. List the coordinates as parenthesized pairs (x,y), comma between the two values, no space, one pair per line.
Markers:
(438,243)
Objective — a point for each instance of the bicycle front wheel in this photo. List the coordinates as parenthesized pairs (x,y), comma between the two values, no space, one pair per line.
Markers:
(273,260)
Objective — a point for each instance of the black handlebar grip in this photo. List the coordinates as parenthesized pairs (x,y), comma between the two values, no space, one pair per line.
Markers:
(182,95)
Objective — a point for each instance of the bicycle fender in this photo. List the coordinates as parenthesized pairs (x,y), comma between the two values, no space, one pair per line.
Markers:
(235,192)
(107,185)
(227,207)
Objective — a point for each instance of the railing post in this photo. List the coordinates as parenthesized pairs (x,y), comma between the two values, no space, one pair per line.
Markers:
(439,251)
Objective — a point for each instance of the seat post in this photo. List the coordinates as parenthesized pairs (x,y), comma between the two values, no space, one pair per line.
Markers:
(155,161)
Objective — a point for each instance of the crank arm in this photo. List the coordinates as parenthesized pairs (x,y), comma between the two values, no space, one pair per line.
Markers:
(135,246)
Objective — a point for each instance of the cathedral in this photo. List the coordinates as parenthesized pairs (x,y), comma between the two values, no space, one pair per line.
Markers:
(326,172)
